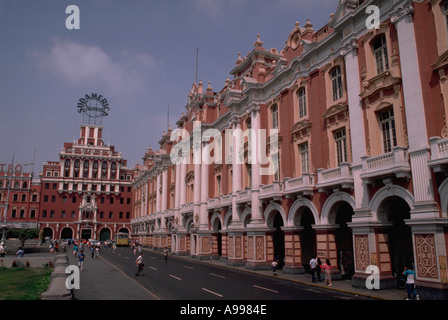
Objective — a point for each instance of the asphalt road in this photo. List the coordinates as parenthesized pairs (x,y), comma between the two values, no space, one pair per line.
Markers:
(186,279)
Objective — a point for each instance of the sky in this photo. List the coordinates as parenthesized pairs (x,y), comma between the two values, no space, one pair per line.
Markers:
(139,54)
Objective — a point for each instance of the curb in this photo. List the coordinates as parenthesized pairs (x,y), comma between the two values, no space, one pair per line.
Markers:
(57,289)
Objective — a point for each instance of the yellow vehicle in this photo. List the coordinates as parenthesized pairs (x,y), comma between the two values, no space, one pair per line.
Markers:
(122,239)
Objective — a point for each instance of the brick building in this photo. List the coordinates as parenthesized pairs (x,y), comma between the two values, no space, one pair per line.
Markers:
(87,193)
(19,196)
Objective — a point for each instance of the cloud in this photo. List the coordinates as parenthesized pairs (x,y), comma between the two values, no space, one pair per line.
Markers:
(76,63)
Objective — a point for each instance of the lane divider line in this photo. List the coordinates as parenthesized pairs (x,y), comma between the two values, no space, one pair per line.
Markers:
(263,288)
(216,294)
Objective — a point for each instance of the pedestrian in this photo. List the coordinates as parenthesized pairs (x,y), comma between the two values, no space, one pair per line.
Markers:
(327,269)
(20,253)
(318,269)
(92,251)
(313,265)
(165,252)
(274,266)
(75,250)
(81,258)
(97,252)
(2,250)
(410,283)
(140,265)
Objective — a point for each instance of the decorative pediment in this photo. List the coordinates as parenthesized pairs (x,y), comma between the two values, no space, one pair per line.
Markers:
(301,129)
(336,113)
(440,64)
(384,80)
(335,109)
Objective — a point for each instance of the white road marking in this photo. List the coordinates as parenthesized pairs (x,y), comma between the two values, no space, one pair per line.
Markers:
(217,275)
(175,277)
(189,267)
(263,288)
(216,294)
(127,258)
(152,268)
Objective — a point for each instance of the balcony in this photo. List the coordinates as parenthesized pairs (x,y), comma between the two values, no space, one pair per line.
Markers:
(186,208)
(213,203)
(243,196)
(395,163)
(340,177)
(439,154)
(226,200)
(303,185)
(271,191)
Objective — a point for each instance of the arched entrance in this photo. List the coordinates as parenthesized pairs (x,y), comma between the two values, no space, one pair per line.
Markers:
(344,240)
(307,238)
(395,210)
(218,235)
(47,233)
(278,239)
(67,233)
(105,234)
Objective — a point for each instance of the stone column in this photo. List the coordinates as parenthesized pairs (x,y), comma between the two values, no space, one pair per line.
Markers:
(256,219)
(235,244)
(203,215)
(236,171)
(197,181)
(158,204)
(415,114)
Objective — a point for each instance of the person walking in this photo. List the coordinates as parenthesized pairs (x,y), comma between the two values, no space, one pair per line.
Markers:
(327,269)
(313,264)
(410,283)
(318,269)
(92,251)
(274,266)
(140,265)
(2,250)
(75,250)
(81,257)
(165,253)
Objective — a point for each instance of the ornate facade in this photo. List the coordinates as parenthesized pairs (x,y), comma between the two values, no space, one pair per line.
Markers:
(87,194)
(362,157)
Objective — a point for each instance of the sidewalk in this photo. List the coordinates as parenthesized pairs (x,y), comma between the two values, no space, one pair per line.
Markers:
(100,280)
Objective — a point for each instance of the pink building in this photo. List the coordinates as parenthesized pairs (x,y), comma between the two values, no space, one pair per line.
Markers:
(362,153)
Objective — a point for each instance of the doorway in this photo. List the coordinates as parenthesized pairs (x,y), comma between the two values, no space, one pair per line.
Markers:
(279,240)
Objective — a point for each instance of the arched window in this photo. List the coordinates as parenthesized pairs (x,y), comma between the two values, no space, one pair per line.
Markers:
(380,52)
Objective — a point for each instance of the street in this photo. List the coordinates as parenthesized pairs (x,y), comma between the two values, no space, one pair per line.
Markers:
(186,279)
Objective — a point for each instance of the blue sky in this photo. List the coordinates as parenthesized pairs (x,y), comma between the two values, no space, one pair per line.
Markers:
(139,54)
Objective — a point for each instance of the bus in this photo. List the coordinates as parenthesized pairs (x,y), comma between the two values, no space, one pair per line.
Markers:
(122,239)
